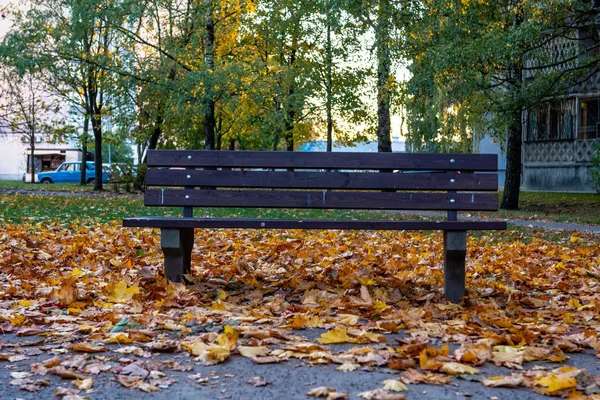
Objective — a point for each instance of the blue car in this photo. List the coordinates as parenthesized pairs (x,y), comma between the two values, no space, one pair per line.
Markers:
(70,172)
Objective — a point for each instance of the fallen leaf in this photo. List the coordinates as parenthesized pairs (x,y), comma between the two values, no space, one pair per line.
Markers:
(87,348)
(453,368)
(121,292)
(321,391)
(85,384)
(511,381)
(381,394)
(253,352)
(394,385)
(337,335)
(258,381)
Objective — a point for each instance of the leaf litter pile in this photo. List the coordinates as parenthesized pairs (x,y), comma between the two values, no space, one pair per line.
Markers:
(96,297)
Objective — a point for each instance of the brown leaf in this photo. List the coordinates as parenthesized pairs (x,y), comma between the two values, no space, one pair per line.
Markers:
(258,381)
(87,348)
(381,394)
(321,391)
(66,373)
(511,381)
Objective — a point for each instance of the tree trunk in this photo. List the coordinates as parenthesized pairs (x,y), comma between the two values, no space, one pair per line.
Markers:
(290,119)
(84,147)
(510,199)
(97,128)
(156,134)
(219,132)
(329,84)
(32,161)
(512,185)
(209,96)
(382,37)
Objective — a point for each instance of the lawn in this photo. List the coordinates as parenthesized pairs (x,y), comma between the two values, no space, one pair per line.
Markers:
(581,208)
(55,187)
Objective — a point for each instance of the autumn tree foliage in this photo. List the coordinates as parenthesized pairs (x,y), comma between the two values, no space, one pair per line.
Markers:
(484,63)
(217,74)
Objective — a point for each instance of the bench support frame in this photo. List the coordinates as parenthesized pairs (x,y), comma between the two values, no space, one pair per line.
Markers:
(177,244)
(455,250)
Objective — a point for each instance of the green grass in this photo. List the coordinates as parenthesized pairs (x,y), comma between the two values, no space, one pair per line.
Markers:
(582,208)
(20,208)
(54,187)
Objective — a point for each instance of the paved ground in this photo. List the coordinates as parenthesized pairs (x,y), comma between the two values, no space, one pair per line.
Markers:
(286,380)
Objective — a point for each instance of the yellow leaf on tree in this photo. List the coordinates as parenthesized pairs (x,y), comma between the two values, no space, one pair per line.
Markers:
(554,383)
(337,335)
(121,293)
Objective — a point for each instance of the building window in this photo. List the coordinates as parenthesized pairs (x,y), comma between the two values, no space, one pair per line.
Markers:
(588,118)
(553,120)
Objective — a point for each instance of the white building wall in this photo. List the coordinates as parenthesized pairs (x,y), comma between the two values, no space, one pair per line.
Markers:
(12,158)
(13,154)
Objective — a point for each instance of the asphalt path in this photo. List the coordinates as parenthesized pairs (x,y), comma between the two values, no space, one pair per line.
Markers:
(286,380)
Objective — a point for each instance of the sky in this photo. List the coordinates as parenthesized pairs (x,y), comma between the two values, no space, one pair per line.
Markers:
(4,23)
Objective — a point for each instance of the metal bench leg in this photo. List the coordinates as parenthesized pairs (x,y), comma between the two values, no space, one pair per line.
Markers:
(177,246)
(455,249)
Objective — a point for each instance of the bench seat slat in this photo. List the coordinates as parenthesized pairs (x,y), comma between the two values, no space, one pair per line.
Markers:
(248,223)
(322,160)
(322,199)
(323,180)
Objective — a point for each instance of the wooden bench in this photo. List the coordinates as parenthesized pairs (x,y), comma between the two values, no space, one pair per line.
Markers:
(360,181)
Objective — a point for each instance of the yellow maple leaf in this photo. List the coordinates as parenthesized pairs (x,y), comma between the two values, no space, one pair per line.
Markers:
(77,272)
(574,239)
(119,338)
(121,293)
(25,303)
(196,347)
(218,306)
(574,303)
(554,383)
(216,353)
(349,319)
(337,335)
(427,363)
(379,305)
(394,385)
(454,368)
(16,319)
(253,351)
(228,339)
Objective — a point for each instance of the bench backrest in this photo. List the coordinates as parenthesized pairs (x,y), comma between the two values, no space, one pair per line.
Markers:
(268,179)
